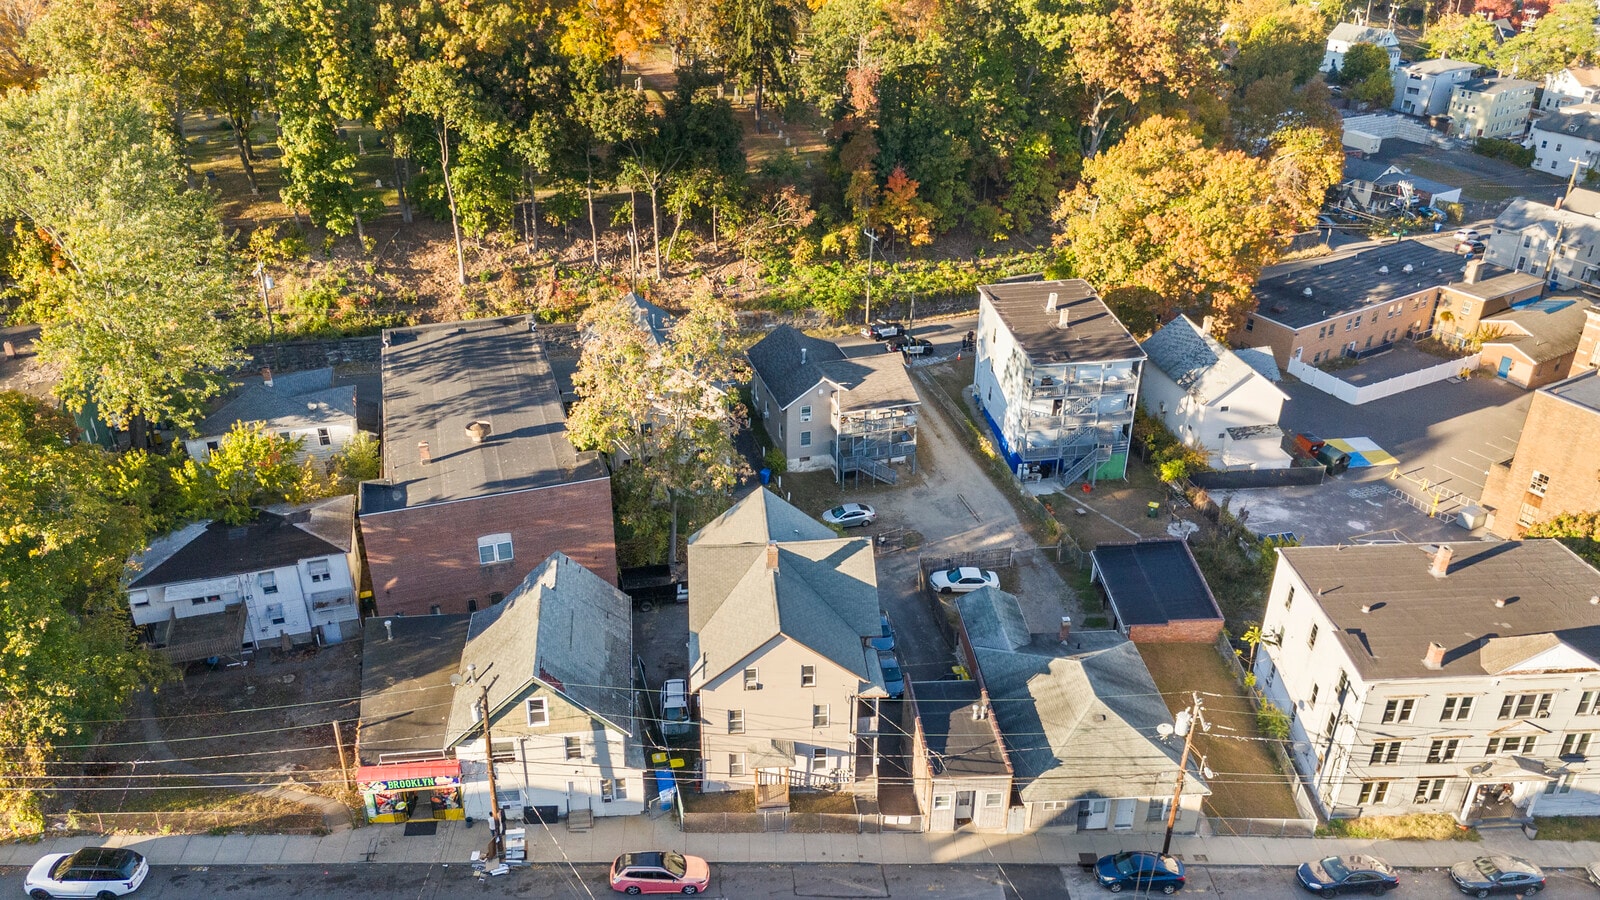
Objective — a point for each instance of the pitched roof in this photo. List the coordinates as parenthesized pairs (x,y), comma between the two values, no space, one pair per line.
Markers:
(1262,360)
(1549,328)
(437,379)
(1196,361)
(1546,588)
(655,320)
(1426,185)
(874,381)
(1093,333)
(1363,169)
(1522,215)
(1582,390)
(406,694)
(1344,284)
(1079,718)
(823,593)
(1439,66)
(215,549)
(1351,33)
(789,362)
(1495,85)
(959,742)
(565,627)
(1580,120)
(294,400)
(1588,76)
(1583,200)
(1154,582)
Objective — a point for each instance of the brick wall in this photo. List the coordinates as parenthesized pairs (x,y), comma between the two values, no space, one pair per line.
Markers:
(429,555)
(1177,631)
(1553,430)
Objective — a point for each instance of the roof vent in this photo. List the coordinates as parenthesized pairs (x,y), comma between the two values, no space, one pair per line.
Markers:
(1365,607)
(423,453)
(1065,314)
(478,430)
(1050,301)
(1383,270)
(1500,603)
(1408,268)
(1441,561)
(802,356)
(1307,292)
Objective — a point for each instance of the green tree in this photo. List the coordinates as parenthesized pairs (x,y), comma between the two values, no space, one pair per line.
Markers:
(1469,38)
(1366,74)
(1563,37)
(1275,37)
(141,315)
(1580,531)
(757,38)
(251,467)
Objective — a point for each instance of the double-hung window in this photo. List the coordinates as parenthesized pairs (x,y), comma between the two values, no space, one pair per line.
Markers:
(494,548)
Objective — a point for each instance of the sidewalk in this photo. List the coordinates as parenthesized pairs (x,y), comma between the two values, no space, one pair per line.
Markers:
(454,843)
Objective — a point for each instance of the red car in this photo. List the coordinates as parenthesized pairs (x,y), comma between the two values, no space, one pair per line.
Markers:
(659,872)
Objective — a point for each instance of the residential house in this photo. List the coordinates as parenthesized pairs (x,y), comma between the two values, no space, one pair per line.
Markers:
(1556,243)
(1588,355)
(959,769)
(212,589)
(825,411)
(1056,377)
(1349,303)
(1381,190)
(781,610)
(1348,34)
(1534,343)
(1423,88)
(552,668)
(1463,305)
(1199,388)
(478,471)
(1079,713)
(1491,108)
(1571,86)
(1553,470)
(1461,679)
(1568,138)
(303,406)
(1155,592)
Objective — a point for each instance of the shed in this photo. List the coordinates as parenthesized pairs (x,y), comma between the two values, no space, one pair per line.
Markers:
(1156,592)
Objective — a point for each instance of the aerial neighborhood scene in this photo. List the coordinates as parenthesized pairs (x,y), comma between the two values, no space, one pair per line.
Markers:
(827,449)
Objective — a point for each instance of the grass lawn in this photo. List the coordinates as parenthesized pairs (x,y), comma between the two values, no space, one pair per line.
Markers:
(822,802)
(720,802)
(1248,783)
(1415,827)
(1567,828)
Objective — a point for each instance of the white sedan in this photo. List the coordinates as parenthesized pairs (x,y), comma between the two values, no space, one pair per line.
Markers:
(963,579)
(99,872)
(848,514)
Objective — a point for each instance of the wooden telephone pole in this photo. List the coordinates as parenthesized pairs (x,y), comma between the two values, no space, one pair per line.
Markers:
(1187,721)
(497,824)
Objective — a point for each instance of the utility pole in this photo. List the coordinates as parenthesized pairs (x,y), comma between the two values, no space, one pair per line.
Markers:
(338,741)
(1572,181)
(1184,725)
(265,282)
(497,824)
(872,241)
(1555,247)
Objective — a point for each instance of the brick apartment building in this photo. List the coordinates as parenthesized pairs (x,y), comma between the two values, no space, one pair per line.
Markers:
(480,481)
(1553,471)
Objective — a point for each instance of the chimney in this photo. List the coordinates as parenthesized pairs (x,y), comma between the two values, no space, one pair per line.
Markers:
(1208,323)
(1500,603)
(424,453)
(772,556)
(478,430)
(266,376)
(1062,321)
(1435,657)
(1050,301)
(388,628)
(1066,628)
(802,356)
(1441,561)
(1473,272)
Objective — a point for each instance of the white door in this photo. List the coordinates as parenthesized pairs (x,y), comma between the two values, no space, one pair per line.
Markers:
(963,804)
(330,633)
(1124,815)
(1098,810)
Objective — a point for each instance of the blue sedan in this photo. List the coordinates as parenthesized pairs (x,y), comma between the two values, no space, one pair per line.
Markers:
(1140,870)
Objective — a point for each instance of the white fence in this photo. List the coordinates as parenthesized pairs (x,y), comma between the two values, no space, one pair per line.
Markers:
(1366,393)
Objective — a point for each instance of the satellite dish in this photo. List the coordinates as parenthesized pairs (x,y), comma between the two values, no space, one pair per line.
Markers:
(1164,729)
(455,681)
(1206,771)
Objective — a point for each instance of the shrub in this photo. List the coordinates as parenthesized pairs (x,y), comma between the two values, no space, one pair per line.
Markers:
(1510,151)
(1271,721)
(776,461)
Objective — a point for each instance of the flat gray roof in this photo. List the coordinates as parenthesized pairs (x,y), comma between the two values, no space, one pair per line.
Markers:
(1154,582)
(958,744)
(1093,334)
(1583,390)
(1344,284)
(405,683)
(437,379)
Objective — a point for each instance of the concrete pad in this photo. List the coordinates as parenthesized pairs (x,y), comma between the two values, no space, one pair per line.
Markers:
(233,849)
(299,849)
(167,850)
(733,848)
(764,847)
(266,848)
(339,846)
(201,850)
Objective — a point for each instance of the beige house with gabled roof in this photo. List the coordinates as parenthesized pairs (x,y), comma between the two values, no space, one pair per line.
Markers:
(781,610)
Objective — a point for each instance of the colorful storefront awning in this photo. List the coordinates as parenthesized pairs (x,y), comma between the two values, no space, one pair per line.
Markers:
(409,776)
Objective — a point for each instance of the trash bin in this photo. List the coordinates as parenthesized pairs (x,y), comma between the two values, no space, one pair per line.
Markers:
(766,476)
(1153,510)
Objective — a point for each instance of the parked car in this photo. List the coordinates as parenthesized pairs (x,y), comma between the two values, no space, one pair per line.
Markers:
(885,638)
(675,718)
(882,331)
(915,346)
(1470,248)
(1357,874)
(1140,870)
(1467,234)
(962,579)
(659,872)
(894,680)
(90,872)
(1497,875)
(847,514)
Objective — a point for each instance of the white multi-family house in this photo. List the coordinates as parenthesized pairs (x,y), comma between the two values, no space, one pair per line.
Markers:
(1423,88)
(303,406)
(1571,86)
(1348,34)
(1567,138)
(781,613)
(1199,389)
(214,589)
(1555,243)
(1460,679)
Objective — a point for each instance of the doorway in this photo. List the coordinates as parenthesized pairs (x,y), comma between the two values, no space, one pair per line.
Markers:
(1122,820)
(1095,814)
(963,807)
(1505,367)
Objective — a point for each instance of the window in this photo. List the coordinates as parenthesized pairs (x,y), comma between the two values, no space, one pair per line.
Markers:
(1429,790)
(1398,711)
(268,582)
(1511,745)
(1561,785)
(1576,744)
(1288,601)
(805,413)
(736,721)
(273,613)
(1443,750)
(1456,709)
(319,571)
(574,747)
(1373,792)
(735,764)
(494,548)
(1157,811)
(1521,706)
(323,438)
(1589,703)
(819,759)
(139,598)
(1333,722)
(993,800)
(819,715)
(1312,640)
(1538,483)
(1315,688)
(472,604)
(613,789)
(506,751)
(752,679)
(1343,686)
(1385,753)
(1528,515)
(808,676)
(538,711)
(202,601)
(942,801)
(211,445)
(805,438)
(1249,324)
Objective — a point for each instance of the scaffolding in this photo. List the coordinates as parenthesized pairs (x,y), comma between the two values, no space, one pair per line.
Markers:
(1074,418)
(868,441)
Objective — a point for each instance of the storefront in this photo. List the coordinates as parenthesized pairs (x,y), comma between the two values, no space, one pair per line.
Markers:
(402,792)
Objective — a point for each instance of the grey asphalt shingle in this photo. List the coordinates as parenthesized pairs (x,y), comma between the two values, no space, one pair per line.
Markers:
(1195,361)
(790,362)
(296,400)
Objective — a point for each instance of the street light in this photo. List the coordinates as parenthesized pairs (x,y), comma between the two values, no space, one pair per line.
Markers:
(1183,725)
(873,239)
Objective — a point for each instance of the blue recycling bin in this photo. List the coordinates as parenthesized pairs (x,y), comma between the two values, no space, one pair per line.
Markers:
(766,476)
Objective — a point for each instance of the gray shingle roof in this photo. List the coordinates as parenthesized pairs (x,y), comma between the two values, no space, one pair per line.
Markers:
(875,381)
(1438,66)
(1093,333)
(958,743)
(437,379)
(566,627)
(1523,214)
(1546,586)
(784,368)
(653,318)
(1426,185)
(406,692)
(295,400)
(1093,702)
(1579,120)
(216,550)
(1363,169)
(1583,390)
(1195,361)
(1344,284)
(1262,360)
(1545,334)
(1352,33)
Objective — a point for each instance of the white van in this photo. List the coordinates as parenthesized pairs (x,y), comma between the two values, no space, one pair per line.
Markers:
(674,708)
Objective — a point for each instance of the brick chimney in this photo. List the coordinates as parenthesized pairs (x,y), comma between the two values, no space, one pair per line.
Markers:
(1435,657)
(1441,561)
(266,376)
(1473,272)
(772,556)
(1066,627)
(424,453)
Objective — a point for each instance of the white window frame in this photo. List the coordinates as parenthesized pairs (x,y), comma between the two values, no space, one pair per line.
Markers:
(808,676)
(805,438)
(1576,743)
(993,800)
(736,721)
(1429,790)
(499,549)
(819,715)
(538,710)
(1457,708)
(805,413)
(324,439)
(273,614)
(820,761)
(1538,483)
(268,582)
(736,765)
(1374,792)
(752,678)
(319,570)
(572,746)
(948,801)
